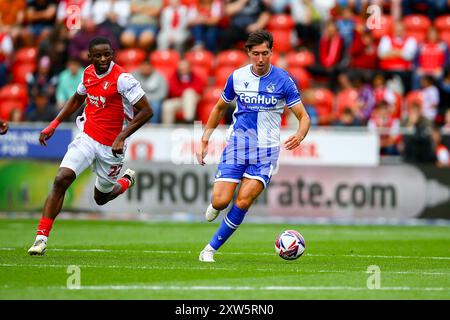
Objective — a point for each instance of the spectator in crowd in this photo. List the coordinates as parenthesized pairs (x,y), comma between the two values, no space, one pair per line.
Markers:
(445,129)
(430,95)
(155,87)
(441,151)
(6,55)
(431,59)
(204,21)
(42,108)
(444,94)
(185,89)
(347,119)
(307,22)
(174,30)
(345,24)
(16,115)
(331,48)
(432,8)
(143,26)
(245,16)
(308,102)
(12,19)
(68,81)
(56,47)
(279,6)
(388,127)
(42,81)
(417,145)
(112,15)
(363,53)
(78,47)
(41,17)
(366,100)
(396,54)
(382,92)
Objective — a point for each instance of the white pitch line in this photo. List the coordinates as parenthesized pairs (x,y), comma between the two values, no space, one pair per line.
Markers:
(249,288)
(235,253)
(212,267)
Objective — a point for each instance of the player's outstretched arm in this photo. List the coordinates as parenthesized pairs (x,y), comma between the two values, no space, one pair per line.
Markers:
(3,126)
(215,116)
(304,124)
(72,105)
(143,112)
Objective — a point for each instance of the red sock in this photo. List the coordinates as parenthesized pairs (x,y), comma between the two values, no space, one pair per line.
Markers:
(44,227)
(124,183)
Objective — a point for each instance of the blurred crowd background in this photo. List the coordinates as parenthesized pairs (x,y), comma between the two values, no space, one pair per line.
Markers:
(379,65)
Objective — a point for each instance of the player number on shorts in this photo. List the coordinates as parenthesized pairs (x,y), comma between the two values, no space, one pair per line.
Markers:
(115,170)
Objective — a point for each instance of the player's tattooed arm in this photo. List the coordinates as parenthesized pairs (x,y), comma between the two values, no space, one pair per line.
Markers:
(304,124)
(143,113)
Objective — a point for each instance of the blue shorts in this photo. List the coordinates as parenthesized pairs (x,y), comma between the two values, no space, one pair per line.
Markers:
(234,173)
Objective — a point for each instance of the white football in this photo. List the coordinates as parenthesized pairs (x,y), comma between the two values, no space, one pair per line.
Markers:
(290,245)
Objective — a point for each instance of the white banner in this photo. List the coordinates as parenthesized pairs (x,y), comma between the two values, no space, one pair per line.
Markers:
(321,147)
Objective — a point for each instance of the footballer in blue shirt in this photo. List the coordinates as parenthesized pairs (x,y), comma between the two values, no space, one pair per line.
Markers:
(251,155)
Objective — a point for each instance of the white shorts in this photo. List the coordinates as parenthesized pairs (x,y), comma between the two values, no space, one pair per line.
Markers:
(84,151)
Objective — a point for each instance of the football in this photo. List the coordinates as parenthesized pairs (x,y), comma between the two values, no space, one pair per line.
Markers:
(290,245)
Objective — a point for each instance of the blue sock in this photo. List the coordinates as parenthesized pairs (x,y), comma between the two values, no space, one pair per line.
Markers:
(229,224)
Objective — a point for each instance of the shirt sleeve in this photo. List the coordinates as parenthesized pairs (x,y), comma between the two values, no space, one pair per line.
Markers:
(228,93)
(130,88)
(292,95)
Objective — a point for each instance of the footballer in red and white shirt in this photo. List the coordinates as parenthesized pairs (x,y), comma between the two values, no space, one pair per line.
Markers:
(116,106)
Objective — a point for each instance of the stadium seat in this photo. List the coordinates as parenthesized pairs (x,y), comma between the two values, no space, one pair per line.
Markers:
(445,36)
(209,99)
(165,61)
(300,59)
(26,55)
(282,40)
(201,58)
(420,36)
(414,96)
(385,28)
(7,106)
(21,71)
(203,73)
(416,22)
(231,58)
(323,100)
(442,23)
(346,98)
(15,92)
(212,94)
(281,21)
(302,76)
(221,75)
(131,58)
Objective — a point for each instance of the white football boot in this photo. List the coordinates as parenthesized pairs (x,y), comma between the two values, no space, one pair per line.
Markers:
(129,174)
(211,213)
(38,247)
(207,254)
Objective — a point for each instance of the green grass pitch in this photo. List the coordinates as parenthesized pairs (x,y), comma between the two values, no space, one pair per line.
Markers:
(153,260)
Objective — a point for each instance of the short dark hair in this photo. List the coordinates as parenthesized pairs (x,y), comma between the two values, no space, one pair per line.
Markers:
(259,37)
(99,40)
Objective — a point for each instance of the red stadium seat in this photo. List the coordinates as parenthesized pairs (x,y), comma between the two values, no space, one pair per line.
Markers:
(323,100)
(210,97)
(15,92)
(231,58)
(416,22)
(21,71)
(212,94)
(442,23)
(445,36)
(281,22)
(300,59)
(202,58)
(221,75)
(26,55)
(346,98)
(282,40)
(7,106)
(414,96)
(420,36)
(131,58)
(165,61)
(203,73)
(385,28)
(302,76)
